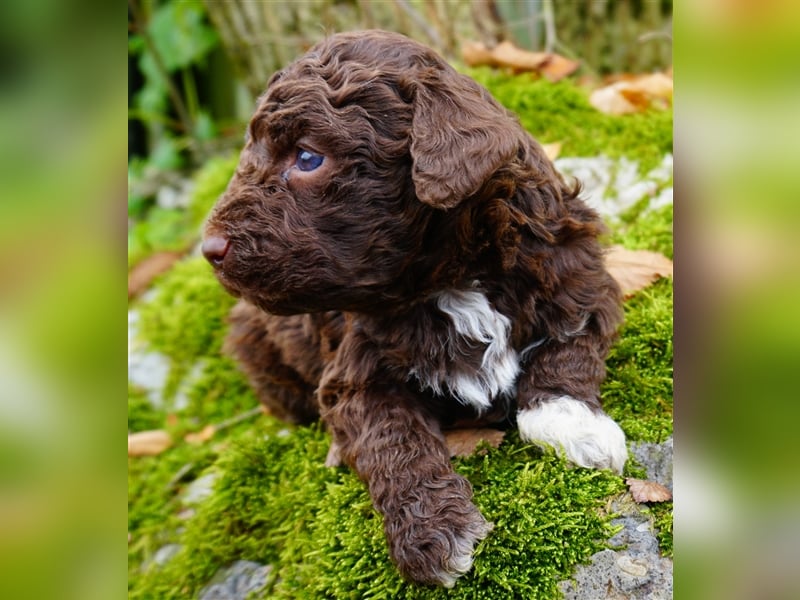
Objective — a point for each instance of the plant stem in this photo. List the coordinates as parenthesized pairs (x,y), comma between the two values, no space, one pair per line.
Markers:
(172,90)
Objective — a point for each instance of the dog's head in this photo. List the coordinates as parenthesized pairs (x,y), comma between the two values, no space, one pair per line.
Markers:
(356,161)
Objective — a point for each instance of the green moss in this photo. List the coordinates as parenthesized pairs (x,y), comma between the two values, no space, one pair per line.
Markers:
(560,112)
(155,484)
(165,230)
(662,519)
(210,182)
(141,413)
(185,320)
(638,389)
(276,503)
(219,392)
(640,229)
(637,392)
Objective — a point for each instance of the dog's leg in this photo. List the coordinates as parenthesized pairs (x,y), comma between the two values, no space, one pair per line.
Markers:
(559,405)
(430,522)
(280,356)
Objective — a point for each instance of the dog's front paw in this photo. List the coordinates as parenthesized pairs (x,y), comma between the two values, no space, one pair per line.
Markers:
(586,437)
(433,533)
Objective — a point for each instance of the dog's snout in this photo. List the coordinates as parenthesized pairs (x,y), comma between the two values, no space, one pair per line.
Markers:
(215,248)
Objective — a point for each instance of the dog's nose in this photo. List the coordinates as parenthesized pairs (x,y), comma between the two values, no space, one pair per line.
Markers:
(215,248)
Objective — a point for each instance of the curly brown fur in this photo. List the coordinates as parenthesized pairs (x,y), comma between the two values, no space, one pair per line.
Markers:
(408,258)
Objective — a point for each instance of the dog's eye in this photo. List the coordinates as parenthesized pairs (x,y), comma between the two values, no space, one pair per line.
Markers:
(308,161)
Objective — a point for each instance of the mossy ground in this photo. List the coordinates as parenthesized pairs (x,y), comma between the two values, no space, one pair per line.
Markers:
(560,112)
(276,503)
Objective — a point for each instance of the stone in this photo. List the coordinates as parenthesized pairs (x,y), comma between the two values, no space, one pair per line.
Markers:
(237,582)
(632,568)
(200,489)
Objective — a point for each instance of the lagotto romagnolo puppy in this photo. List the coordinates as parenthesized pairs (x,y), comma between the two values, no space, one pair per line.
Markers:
(408,259)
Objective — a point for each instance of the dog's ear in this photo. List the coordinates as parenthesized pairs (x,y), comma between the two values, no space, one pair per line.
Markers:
(460,137)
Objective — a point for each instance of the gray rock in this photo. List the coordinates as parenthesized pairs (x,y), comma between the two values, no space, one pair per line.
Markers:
(635,572)
(612,186)
(146,369)
(656,460)
(237,582)
(632,568)
(200,489)
(162,556)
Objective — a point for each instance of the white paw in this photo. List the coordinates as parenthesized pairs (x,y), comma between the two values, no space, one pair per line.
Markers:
(587,438)
(460,560)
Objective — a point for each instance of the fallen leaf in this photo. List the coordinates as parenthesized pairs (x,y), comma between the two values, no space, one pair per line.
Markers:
(558,67)
(507,55)
(552,151)
(655,85)
(143,273)
(148,443)
(634,94)
(647,491)
(636,98)
(462,442)
(476,54)
(636,269)
(201,436)
(609,100)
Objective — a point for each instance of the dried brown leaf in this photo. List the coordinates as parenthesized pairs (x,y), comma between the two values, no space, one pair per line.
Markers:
(205,434)
(558,67)
(633,94)
(462,442)
(609,100)
(647,491)
(142,274)
(476,54)
(148,443)
(506,54)
(636,269)
(655,85)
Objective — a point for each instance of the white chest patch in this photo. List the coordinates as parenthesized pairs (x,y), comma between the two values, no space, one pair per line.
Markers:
(476,322)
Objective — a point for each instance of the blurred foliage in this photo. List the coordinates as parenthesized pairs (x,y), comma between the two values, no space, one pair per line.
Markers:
(155,228)
(168,40)
(606,35)
(173,43)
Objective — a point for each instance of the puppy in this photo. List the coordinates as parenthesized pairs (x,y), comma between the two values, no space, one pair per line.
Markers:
(407,259)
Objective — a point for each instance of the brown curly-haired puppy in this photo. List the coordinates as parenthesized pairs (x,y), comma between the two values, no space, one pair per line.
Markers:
(407,259)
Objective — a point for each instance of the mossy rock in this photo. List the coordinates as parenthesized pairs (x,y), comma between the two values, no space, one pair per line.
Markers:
(277,504)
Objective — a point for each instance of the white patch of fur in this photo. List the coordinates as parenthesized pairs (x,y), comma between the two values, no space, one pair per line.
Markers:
(460,561)
(587,438)
(474,319)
